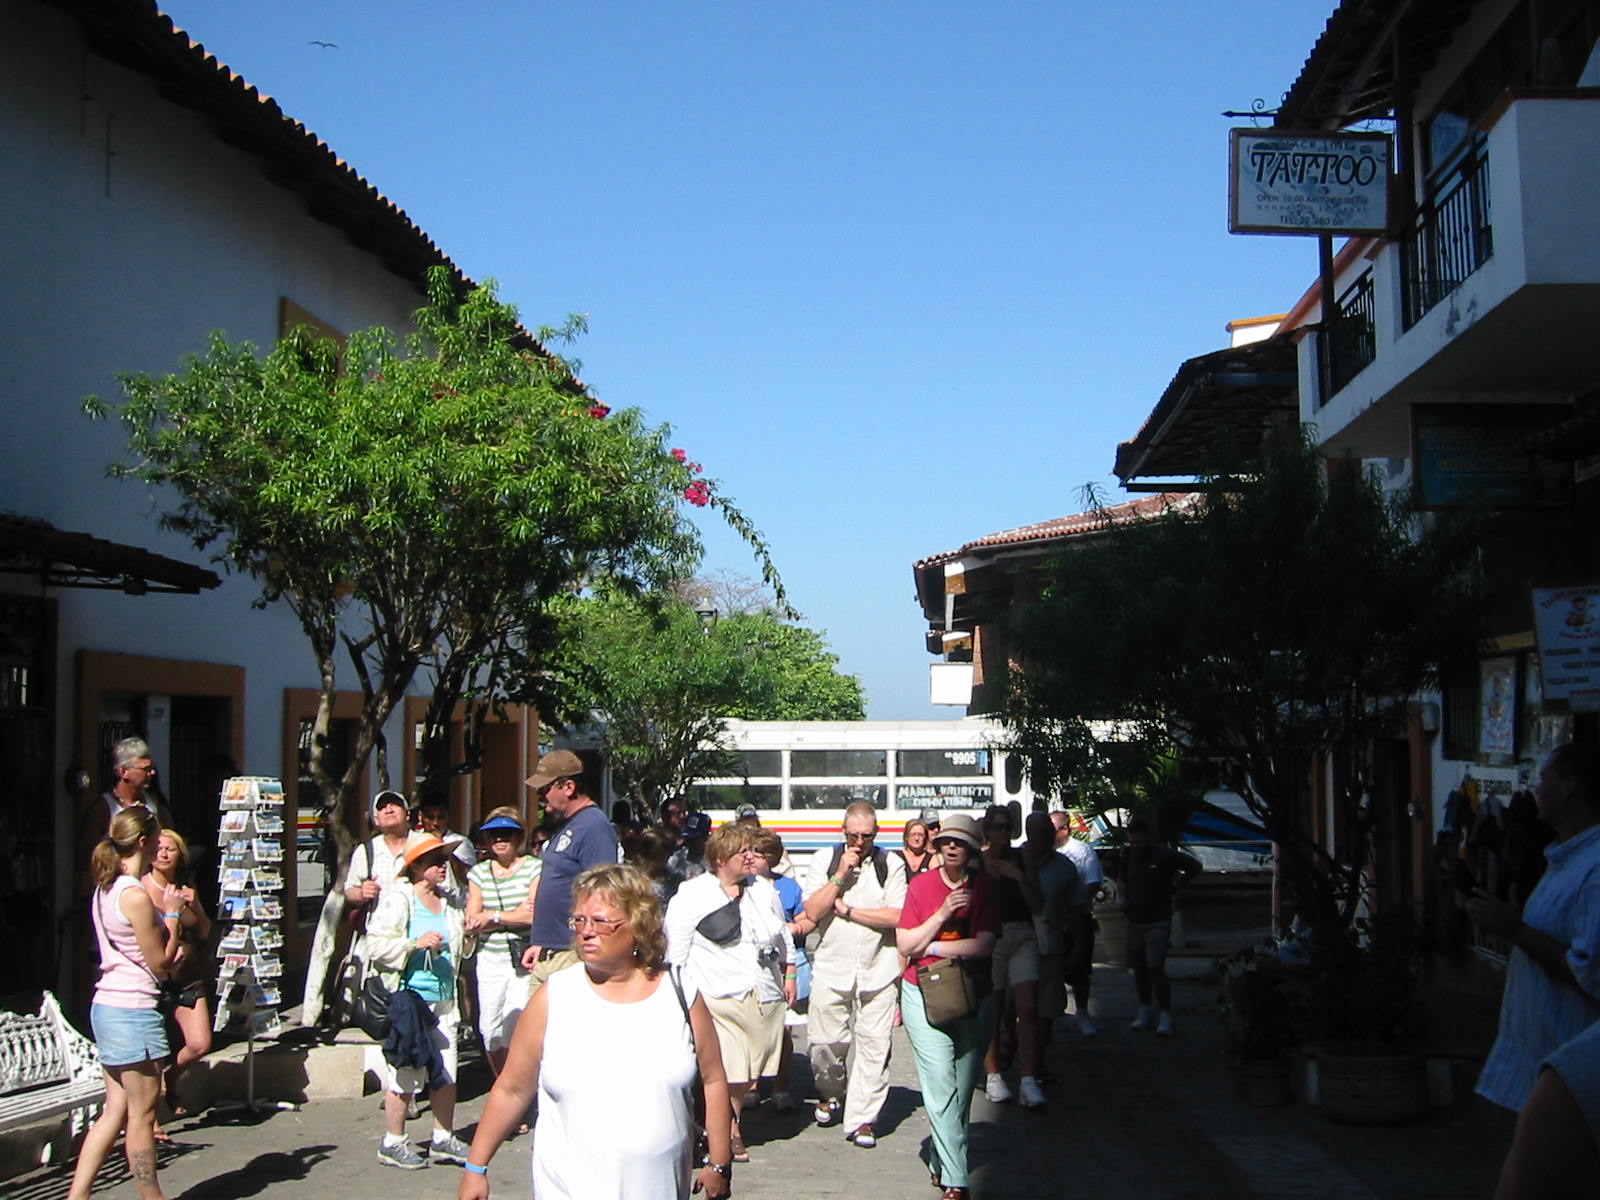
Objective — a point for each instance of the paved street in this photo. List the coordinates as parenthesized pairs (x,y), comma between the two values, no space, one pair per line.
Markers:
(1132,1116)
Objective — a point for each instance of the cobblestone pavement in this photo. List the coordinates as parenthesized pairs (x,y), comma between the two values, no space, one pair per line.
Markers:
(1131,1116)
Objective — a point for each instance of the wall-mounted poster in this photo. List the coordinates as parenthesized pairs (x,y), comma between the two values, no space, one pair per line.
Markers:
(1497,723)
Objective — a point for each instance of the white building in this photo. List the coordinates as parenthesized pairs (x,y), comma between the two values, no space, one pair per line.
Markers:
(151,196)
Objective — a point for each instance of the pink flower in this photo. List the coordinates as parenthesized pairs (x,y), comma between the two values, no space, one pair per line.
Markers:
(696,468)
(698,493)
(680,455)
(600,411)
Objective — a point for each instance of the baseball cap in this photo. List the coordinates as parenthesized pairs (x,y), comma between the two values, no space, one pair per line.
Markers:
(386,797)
(558,764)
(696,825)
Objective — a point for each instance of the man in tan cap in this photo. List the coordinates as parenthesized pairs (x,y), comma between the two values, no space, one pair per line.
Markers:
(584,839)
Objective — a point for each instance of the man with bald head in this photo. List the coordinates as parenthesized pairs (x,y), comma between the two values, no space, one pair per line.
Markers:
(854,893)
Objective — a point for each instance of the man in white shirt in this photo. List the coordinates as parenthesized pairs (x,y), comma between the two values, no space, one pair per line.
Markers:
(854,893)
(1080,954)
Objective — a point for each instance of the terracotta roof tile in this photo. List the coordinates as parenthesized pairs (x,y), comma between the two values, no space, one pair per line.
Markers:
(1062,528)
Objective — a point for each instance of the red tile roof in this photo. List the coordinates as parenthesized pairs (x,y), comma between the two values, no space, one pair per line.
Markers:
(1062,528)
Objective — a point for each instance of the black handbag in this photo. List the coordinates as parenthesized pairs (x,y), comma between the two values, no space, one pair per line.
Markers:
(172,995)
(371,1008)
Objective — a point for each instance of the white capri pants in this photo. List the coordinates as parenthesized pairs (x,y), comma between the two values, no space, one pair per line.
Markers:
(502,995)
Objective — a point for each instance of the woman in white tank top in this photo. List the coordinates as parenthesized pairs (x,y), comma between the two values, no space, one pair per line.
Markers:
(613,1045)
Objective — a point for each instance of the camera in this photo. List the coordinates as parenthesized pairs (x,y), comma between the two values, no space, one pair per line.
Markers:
(768,956)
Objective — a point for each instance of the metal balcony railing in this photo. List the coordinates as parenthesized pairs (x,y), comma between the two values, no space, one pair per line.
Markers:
(1450,238)
(1350,341)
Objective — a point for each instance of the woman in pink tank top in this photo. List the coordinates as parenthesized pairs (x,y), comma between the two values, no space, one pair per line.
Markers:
(139,942)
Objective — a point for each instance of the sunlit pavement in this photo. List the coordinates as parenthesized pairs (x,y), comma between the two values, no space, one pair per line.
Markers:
(1131,1115)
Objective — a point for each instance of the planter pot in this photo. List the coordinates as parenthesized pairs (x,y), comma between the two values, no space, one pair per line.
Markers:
(1372,1089)
(1264,1084)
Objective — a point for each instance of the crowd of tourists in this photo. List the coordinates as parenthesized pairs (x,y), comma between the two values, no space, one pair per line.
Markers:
(646,978)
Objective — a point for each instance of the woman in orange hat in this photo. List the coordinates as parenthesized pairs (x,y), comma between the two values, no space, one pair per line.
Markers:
(415,940)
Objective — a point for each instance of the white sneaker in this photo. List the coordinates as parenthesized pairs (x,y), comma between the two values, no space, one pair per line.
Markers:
(995,1088)
(1032,1095)
(827,1112)
(1164,1026)
(1087,1027)
(1142,1021)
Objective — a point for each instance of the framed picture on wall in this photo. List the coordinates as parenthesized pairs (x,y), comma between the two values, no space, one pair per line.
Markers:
(1498,705)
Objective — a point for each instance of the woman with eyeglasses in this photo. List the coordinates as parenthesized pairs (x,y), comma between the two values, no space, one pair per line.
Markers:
(139,941)
(613,1047)
(726,930)
(917,852)
(415,939)
(950,916)
(499,910)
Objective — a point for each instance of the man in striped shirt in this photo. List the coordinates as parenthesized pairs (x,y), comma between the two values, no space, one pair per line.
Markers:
(1553,975)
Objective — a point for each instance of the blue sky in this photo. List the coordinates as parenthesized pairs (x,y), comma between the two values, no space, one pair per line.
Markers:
(899,274)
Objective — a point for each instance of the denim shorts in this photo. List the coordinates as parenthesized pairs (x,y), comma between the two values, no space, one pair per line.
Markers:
(125,1036)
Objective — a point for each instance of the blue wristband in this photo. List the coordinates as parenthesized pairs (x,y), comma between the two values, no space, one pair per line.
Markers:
(474,1168)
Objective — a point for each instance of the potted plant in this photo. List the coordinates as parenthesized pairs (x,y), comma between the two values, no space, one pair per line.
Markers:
(1257,1017)
(1364,1020)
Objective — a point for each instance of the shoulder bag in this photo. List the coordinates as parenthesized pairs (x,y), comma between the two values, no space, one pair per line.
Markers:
(948,993)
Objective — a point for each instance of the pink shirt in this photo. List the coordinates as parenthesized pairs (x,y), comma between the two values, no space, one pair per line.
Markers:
(125,981)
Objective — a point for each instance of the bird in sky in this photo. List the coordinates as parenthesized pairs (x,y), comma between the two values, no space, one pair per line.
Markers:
(324,45)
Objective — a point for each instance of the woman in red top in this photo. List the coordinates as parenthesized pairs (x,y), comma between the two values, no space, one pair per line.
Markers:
(950,913)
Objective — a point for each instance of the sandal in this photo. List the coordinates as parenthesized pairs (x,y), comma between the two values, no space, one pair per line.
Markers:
(955,1193)
(736,1144)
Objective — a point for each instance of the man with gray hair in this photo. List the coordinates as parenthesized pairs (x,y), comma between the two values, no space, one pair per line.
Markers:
(854,893)
(134,787)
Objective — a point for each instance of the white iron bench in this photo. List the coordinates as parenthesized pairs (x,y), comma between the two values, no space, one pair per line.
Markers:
(47,1067)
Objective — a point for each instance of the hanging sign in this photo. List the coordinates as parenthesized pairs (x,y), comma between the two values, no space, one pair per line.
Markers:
(1308,183)
(1566,621)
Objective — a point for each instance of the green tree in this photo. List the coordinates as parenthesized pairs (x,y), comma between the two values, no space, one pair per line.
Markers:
(658,683)
(1266,623)
(416,504)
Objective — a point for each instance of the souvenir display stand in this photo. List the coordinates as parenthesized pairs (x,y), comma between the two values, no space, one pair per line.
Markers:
(249,955)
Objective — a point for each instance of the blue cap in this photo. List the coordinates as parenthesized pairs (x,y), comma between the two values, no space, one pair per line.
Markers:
(501,823)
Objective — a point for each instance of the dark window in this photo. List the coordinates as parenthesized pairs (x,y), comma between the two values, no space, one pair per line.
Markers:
(827,764)
(944,764)
(713,797)
(838,795)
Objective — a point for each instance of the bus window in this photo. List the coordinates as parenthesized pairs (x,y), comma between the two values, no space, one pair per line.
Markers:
(944,764)
(911,797)
(838,795)
(827,764)
(713,797)
(757,764)
(1013,774)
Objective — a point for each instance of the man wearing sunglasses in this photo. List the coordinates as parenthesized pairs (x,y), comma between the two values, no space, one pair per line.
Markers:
(854,894)
(583,839)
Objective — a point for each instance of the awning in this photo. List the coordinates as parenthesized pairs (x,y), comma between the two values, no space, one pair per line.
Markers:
(62,558)
(1216,413)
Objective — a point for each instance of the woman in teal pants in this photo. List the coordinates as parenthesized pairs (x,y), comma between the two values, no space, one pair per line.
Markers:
(950,913)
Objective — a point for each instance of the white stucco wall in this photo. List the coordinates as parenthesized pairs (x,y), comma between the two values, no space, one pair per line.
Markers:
(132,232)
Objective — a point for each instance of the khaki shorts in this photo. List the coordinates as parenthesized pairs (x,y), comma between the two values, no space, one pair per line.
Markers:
(1016,955)
(546,967)
(750,1033)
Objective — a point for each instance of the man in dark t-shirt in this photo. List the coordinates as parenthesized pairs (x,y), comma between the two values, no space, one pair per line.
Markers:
(1151,875)
(584,839)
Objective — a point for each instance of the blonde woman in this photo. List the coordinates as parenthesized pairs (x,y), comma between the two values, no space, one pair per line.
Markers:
(499,911)
(613,1046)
(139,942)
(170,869)
(726,930)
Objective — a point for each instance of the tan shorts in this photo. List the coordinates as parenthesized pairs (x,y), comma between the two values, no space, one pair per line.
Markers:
(1016,955)
(751,1035)
(1147,944)
(546,967)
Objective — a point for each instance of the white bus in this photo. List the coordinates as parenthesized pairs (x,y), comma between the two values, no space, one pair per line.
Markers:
(801,775)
